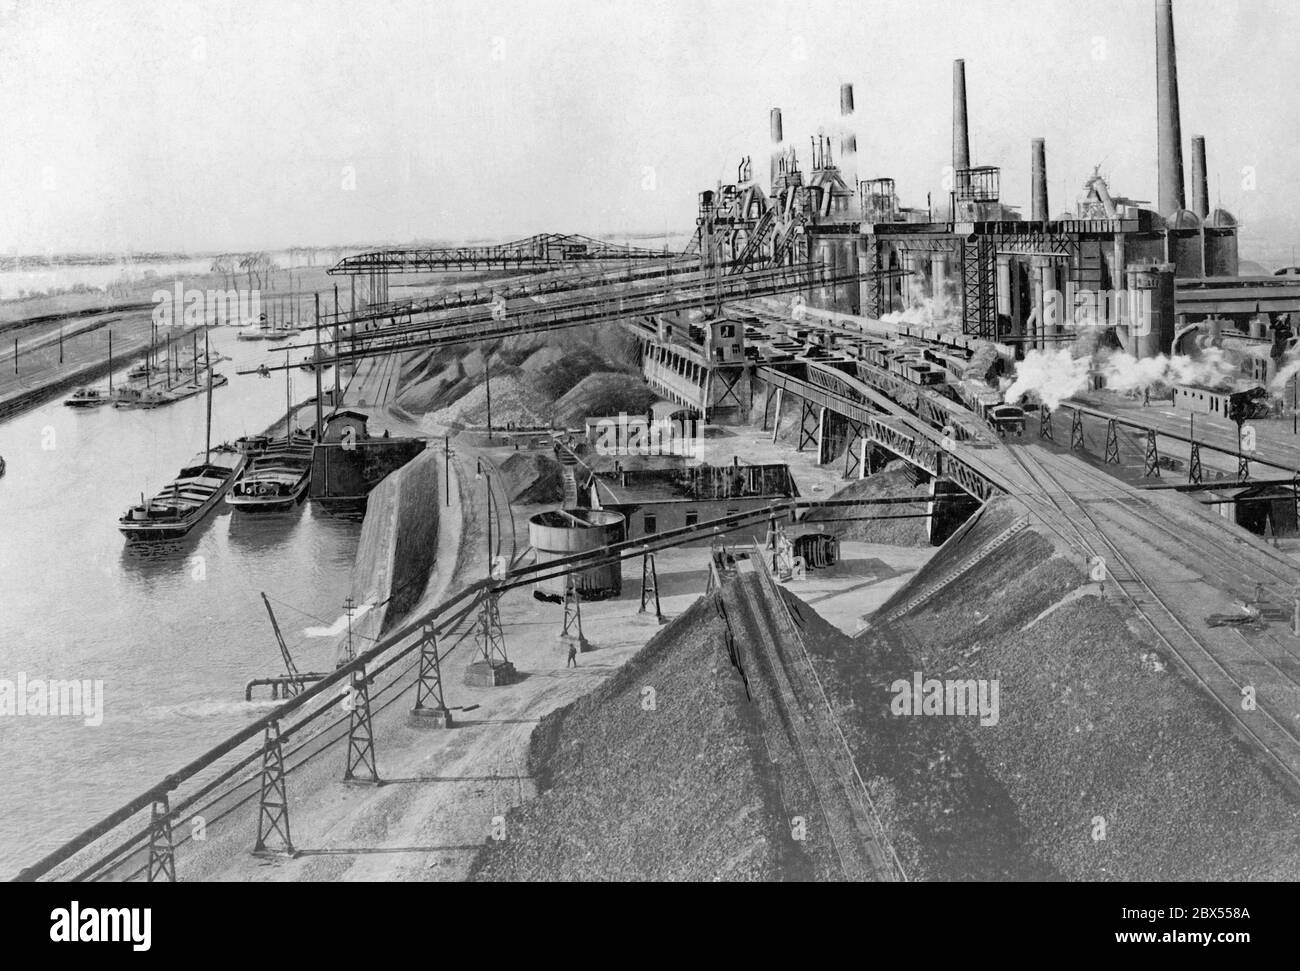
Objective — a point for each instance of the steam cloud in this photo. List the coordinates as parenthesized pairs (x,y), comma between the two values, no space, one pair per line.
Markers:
(1287,371)
(1053,376)
(940,311)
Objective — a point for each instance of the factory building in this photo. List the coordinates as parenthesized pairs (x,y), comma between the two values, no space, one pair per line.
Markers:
(654,501)
(1201,400)
(1027,279)
(1159,278)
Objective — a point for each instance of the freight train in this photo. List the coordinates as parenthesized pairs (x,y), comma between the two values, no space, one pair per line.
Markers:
(934,377)
(989,404)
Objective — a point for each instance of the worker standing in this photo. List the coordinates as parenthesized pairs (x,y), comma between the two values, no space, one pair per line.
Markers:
(573,656)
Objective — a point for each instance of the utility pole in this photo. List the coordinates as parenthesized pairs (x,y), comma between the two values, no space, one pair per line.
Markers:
(316,361)
(481,474)
(338,399)
(487,373)
(446,468)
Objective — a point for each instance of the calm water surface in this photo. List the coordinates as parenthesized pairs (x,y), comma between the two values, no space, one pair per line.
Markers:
(173,631)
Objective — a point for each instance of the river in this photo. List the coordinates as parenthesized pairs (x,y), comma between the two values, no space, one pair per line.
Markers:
(173,632)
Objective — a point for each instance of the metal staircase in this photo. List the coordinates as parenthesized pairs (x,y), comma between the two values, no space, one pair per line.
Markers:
(757,239)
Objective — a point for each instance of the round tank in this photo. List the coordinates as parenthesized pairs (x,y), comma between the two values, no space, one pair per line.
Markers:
(1183,220)
(556,533)
(1151,310)
(1221,258)
(1186,253)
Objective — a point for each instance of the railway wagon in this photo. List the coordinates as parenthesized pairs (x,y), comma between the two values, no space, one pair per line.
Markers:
(990,405)
(922,373)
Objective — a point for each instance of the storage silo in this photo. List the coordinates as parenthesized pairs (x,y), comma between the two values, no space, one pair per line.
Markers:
(1186,248)
(1221,244)
(559,533)
(1150,310)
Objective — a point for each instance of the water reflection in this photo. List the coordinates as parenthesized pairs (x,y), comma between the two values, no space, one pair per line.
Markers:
(174,628)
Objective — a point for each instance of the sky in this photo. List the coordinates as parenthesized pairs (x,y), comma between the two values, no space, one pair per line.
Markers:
(142,125)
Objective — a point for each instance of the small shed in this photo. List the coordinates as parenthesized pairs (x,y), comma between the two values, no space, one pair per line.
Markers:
(337,423)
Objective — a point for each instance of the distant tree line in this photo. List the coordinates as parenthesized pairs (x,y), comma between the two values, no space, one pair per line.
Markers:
(255,268)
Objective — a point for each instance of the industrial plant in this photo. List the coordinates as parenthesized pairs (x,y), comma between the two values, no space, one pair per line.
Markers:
(864,530)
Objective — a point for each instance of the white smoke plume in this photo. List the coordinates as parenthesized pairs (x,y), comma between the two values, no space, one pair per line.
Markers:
(1285,374)
(1053,376)
(1287,370)
(940,311)
(1049,377)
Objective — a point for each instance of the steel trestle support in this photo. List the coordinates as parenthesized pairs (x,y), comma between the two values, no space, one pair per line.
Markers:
(273,806)
(162,852)
(360,766)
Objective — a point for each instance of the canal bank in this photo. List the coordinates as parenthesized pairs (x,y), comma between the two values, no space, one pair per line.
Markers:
(175,630)
(32,377)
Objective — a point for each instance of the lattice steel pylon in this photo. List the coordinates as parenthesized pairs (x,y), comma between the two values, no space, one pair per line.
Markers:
(650,589)
(1112,443)
(429,703)
(490,637)
(979,288)
(1045,424)
(162,852)
(875,288)
(360,766)
(1151,464)
(1076,433)
(571,630)
(1194,474)
(273,806)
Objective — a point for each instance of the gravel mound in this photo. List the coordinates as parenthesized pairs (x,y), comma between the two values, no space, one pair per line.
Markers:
(514,401)
(1096,722)
(542,359)
(890,482)
(605,393)
(533,477)
(673,793)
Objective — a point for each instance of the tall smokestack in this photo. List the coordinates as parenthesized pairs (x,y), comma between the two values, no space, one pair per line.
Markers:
(1170,153)
(1200,182)
(1040,181)
(960,130)
(848,139)
(777,138)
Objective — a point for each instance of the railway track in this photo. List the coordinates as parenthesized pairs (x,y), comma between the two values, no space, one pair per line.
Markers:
(801,734)
(1267,729)
(1125,513)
